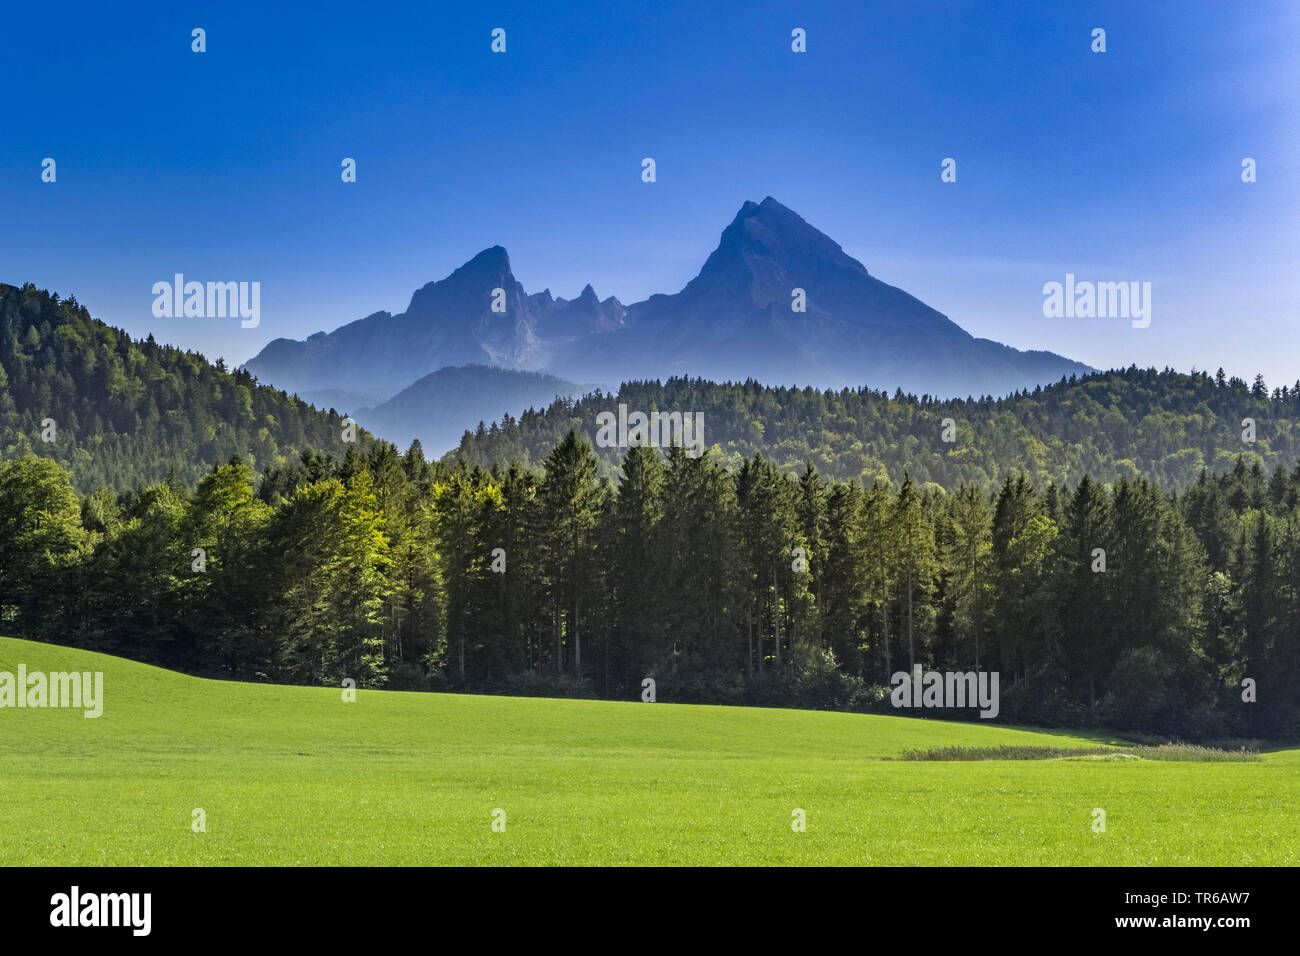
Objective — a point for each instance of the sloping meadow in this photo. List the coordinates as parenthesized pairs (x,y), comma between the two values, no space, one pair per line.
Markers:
(179,770)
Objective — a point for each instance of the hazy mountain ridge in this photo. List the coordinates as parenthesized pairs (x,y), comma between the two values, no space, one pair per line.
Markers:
(734,320)
(439,407)
(448,323)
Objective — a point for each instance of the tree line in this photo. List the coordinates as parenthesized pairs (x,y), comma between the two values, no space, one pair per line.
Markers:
(128,413)
(1165,426)
(1100,604)
(120,413)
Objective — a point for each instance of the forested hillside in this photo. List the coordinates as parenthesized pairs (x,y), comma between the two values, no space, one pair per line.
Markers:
(127,413)
(1165,426)
(185,515)
(1100,606)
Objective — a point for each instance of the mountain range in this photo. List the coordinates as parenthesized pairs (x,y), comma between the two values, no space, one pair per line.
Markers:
(121,414)
(777,301)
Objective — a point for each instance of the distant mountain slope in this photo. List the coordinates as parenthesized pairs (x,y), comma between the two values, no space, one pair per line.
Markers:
(735,320)
(127,412)
(1162,425)
(448,323)
(439,407)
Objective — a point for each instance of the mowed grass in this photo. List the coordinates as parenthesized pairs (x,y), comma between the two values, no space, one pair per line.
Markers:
(293,775)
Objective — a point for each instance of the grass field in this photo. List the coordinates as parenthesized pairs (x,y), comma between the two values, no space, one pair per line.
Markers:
(293,775)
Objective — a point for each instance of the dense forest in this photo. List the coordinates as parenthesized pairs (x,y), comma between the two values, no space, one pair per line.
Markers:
(1114,546)
(730,586)
(128,413)
(1164,426)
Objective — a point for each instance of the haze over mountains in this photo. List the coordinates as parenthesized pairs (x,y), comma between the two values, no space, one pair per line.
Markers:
(733,321)
(440,407)
(134,413)
(448,323)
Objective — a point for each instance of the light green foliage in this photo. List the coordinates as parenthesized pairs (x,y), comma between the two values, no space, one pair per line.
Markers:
(295,776)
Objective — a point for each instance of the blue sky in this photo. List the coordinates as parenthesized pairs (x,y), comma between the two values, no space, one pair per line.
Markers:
(225,165)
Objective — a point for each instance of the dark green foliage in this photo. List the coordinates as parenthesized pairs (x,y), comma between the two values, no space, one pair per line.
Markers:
(748,587)
(130,413)
(199,541)
(1004,752)
(1161,752)
(1165,426)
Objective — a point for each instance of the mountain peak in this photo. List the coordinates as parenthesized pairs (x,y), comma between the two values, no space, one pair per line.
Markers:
(777,300)
(777,218)
(767,250)
(768,205)
(491,257)
(492,265)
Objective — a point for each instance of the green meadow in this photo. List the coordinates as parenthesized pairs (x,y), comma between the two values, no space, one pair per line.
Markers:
(296,776)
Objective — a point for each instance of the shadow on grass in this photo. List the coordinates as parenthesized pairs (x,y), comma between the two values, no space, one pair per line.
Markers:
(1184,752)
